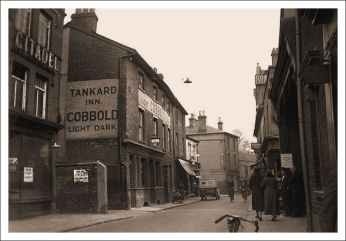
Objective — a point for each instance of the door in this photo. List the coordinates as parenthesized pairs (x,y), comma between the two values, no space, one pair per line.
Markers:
(114,187)
(165,183)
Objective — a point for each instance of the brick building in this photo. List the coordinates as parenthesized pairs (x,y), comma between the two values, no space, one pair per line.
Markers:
(35,48)
(119,111)
(304,94)
(218,152)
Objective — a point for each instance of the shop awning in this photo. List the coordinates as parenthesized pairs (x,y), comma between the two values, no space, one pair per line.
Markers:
(186,167)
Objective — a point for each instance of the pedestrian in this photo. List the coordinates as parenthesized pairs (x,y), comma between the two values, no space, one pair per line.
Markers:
(286,191)
(231,189)
(269,185)
(257,193)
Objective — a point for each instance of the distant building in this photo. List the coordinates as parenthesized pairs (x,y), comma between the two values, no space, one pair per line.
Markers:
(119,111)
(35,53)
(218,151)
(246,160)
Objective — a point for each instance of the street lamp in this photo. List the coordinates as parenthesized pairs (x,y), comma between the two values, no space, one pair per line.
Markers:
(187,81)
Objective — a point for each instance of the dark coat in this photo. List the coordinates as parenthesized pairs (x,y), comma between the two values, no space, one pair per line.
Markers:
(269,184)
(257,192)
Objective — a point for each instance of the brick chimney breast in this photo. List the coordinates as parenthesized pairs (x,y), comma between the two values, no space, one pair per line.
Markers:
(202,122)
(85,19)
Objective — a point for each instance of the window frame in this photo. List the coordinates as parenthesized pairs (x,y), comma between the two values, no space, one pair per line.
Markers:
(140,125)
(163,136)
(37,91)
(141,81)
(28,24)
(48,28)
(155,93)
(25,81)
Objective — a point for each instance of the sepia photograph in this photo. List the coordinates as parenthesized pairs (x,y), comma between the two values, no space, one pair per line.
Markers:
(155,120)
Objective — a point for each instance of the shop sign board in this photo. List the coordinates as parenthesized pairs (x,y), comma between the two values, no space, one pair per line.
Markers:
(92,109)
(28,174)
(286,160)
(80,175)
(153,107)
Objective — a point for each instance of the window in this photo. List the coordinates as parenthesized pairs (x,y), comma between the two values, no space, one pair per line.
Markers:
(169,140)
(189,150)
(176,144)
(23,20)
(163,101)
(44,30)
(163,136)
(141,125)
(234,148)
(20,76)
(155,92)
(156,130)
(235,161)
(141,81)
(40,96)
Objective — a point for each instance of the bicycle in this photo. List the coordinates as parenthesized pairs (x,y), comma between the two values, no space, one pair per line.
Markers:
(234,222)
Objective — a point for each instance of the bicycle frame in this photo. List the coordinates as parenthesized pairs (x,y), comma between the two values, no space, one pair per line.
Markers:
(234,222)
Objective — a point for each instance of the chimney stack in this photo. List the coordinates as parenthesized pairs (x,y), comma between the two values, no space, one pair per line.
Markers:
(193,121)
(202,122)
(275,53)
(85,19)
(220,124)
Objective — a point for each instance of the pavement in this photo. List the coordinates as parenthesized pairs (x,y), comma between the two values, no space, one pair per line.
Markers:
(70,222)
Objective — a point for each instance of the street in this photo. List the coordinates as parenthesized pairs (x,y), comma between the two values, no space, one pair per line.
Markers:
(196,217)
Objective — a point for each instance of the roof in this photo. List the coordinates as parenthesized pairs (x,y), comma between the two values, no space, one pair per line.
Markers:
(245,156)
(139,59)
(210,130)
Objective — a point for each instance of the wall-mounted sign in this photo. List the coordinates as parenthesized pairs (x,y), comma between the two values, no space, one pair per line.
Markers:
(260,79)
(92,109)
(12,164)
(28,174)
(150,105)
(155,140)
(80,175)
(256,146)
(31,48)
(286,160)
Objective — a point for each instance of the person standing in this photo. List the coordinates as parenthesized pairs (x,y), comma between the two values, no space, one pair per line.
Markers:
(231,189)
(286,190)
(257,193)
(269,184)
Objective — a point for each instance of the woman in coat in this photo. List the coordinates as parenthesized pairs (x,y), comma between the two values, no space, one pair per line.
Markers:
(257,193)
(269,184)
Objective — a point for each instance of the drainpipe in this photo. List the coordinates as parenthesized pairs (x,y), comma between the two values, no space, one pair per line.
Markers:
(301,125)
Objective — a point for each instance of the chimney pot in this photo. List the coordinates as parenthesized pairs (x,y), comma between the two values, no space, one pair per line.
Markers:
(85,19)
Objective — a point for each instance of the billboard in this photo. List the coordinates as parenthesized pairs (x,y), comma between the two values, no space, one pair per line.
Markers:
(92,109)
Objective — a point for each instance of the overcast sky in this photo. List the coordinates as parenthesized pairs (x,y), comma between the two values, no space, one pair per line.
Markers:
(217,49)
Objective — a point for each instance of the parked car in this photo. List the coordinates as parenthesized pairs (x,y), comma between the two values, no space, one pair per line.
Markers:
(208,188)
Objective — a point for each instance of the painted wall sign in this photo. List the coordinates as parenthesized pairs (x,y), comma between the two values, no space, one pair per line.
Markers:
(80,175)
(12,164)
(92,109)
(150,105)
(286,160)
(28,174)
(38,52)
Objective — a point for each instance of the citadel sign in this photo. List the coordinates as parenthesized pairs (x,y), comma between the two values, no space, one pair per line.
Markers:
(92,109)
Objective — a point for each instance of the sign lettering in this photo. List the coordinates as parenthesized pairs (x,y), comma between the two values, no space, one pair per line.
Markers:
(92,109)
(80,175)
(28,174)
(286,160)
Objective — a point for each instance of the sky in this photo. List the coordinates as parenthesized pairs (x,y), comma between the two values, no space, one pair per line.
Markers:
(217,49)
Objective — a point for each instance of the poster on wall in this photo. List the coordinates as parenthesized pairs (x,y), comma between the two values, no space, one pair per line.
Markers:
(12,164)
(286,160)
(80,175)
(28,174)
(92,109)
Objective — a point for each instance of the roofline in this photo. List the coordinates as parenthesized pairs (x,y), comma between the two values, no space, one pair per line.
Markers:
(190,138)
(139,58)
(213,133)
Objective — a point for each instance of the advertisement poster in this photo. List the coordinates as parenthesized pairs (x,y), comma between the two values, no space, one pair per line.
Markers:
(80,175)
(28,174)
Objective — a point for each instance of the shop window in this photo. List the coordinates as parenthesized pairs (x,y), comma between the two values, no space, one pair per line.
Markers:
(44,30)
(141,125)
(35,156)
(140,81)
(23,20)
(40,96)
(20,77)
